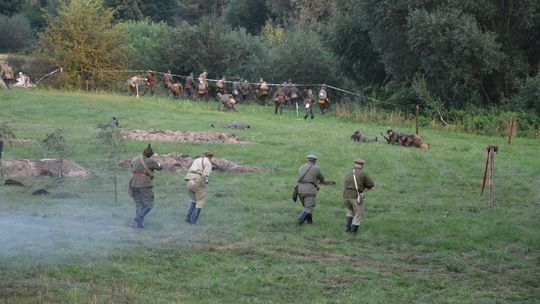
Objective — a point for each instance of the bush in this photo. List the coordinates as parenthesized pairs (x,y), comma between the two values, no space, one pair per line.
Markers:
(15,33)
(528,97)
(144,37)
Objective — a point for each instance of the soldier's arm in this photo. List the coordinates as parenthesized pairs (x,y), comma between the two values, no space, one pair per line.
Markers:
(368,182)
(320,176)
(207,169)
(155,165)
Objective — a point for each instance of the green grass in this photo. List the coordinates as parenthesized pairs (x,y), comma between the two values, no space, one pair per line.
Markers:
(419,242)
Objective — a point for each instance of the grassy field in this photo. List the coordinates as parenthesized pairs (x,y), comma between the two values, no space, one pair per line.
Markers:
(427,237)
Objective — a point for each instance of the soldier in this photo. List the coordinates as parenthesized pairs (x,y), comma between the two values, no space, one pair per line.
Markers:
(358,137)
(190,82)
(294,94)
(280,97)
(141,184)
(356,182)
(310,176)
(220,85)
(393,137)
(324,104)
(309,104)
(263,91)
(6,73)
(115,123)
(150,83)
(236,88)
(134,83)
(246,89)
(167,79)
(227,101)
(197,178)
(203,90)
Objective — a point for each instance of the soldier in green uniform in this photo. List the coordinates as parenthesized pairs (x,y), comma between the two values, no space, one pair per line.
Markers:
(197,178)
(356,182)
(309,177)
(141,184)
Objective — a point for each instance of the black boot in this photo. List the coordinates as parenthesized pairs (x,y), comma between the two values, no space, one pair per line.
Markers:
(309,218)
(348,224)
(144,211)
(305,117)
(302,218)
(191,206)
(195,215)
(354,229)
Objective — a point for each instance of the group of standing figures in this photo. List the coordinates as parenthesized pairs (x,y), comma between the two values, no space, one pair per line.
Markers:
(285,94)
(310,176)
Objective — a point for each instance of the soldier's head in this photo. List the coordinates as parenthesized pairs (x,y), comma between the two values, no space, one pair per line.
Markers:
(311,158)
(261,80)
(389,131)
(191,74)
(208,153)
(359,163)
(290,80)
(309,91)
(357,132)
(148,152)
(168,71)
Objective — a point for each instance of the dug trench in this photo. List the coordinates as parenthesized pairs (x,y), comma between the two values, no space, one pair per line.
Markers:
(179,136)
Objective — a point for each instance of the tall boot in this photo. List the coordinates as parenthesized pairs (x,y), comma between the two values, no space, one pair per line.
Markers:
(144,211)
(139,217)
(195,215)
(348,224)
(309,218)
(305,117)
(302,218)
(191,206)
(354,229)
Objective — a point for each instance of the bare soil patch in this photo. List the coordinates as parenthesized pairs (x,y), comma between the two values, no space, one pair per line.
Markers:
(177,136)
(176,162)
(43,167)
(24,141)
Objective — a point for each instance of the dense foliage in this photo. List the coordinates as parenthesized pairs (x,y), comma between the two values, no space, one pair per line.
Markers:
(470,53)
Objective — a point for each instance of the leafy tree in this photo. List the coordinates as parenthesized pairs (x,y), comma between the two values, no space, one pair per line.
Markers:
(16,34)
(56,143)
(249,14)
(528,96)
(145,37)
(81,39)
(10,7)
(125,9)
(110,143)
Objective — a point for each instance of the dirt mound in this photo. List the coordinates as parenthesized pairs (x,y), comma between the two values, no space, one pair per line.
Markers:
(43,167)
(176,136)
(181,162)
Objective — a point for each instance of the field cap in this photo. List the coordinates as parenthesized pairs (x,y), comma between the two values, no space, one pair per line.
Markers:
(311,156)
(208,153)
(359,161)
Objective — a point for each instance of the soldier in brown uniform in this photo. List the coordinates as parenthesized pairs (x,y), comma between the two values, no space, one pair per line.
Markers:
(6,73)
(356,182)
(309,177)
(141,184)
(308,104)
(246,89)
(197,178)
(167,78)
(263,91)
(150,83)
(220,85)
(227,101)
(280,97)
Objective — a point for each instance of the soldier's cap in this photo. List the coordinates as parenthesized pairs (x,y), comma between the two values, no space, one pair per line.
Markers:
(359,161)
(311,156)
(148,152)
(208,153)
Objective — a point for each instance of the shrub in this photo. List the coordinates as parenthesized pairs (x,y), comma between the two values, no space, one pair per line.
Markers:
(16,34)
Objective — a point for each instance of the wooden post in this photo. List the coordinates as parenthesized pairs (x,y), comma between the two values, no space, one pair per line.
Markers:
(491,171)
(417,113)
(511,129)
(137,89)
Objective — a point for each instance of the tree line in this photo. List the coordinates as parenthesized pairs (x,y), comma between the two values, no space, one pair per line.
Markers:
(464,53)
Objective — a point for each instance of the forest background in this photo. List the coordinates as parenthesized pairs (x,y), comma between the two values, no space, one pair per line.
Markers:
(473,62)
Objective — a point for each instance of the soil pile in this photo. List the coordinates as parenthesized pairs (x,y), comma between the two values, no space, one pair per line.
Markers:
(176,136)
(176,162)
(43,167)
(24,141)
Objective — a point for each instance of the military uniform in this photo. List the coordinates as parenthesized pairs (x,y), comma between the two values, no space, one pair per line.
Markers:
(167,79)
(294,95)
(134,83)
(228,102)
(309,104)
(246,88)
(324,104)
(190,82)
(6,73)
(358,137)
(353,195)
(220,86)
(309,177)
(279,100)
(141,185)
(196,179)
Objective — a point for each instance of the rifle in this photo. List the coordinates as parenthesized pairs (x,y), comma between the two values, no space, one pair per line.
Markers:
(387,139)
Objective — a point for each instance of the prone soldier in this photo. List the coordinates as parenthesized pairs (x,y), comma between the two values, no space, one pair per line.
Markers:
(358,137)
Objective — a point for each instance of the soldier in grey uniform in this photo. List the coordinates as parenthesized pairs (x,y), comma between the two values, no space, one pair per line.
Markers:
(197,178)
(356,182)
(309,177)
(141,185)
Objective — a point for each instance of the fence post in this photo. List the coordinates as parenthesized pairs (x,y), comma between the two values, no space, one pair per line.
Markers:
(511,129)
